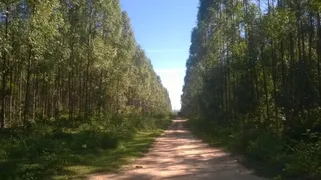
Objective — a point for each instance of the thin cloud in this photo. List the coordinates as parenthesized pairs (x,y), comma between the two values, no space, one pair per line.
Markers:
(164,50)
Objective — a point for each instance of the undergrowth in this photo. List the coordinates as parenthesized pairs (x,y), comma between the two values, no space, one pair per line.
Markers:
(58,149)
(269,155)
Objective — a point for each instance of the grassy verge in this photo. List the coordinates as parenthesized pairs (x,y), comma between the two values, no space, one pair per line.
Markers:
(214,137)
(223,137)
(61,152)
(110,160)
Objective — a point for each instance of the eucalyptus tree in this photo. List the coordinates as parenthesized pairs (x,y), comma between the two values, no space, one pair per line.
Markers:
(74,58)
(255,63)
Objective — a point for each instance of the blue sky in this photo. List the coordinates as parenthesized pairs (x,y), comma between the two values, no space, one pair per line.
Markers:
(163,29)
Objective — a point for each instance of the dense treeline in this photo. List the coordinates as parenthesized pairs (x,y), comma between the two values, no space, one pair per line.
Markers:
(73,83)
(254,70)
(72,58)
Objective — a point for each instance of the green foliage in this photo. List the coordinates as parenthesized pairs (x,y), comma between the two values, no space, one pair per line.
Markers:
(73,83)
(79,59)
(45,151)
(305,160)
(265,147)
(298,160)
(91,139)
(253,81)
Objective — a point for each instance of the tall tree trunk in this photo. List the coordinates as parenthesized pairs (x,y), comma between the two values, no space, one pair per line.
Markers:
(274,78)
(319,54)
(27,90)
(265,86)
(4,73)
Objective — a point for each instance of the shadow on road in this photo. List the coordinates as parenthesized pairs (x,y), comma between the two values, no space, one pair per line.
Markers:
(177,154)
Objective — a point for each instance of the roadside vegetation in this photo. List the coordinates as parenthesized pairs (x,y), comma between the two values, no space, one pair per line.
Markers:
(253,81)
(77,93)
(65,152)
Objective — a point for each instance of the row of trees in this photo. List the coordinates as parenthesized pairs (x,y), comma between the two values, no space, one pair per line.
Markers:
(73,58)
(257,65)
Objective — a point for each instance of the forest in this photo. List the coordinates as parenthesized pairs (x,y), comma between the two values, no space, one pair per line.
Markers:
(253,81)
(73,82)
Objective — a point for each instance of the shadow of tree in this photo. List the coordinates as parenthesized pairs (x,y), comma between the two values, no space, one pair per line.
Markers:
(177,154)
(50,157)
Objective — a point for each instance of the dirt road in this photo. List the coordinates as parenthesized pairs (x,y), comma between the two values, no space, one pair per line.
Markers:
(177,154)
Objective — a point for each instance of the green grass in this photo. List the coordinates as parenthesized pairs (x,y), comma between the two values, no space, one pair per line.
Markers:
(62,161)
(222,137)
(53,152)
(270,156)
(110,160)
(204,130)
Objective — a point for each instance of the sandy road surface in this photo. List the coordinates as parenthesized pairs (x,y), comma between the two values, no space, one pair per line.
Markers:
(177,154)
